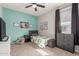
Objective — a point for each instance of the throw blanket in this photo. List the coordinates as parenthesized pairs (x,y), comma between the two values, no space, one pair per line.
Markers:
(40,41)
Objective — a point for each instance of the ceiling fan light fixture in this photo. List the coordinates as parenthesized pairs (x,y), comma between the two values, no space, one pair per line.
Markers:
(34,6)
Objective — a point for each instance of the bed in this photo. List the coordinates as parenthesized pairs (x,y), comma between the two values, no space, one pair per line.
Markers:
(40,41)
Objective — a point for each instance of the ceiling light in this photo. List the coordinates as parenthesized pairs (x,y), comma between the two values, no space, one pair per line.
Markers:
(34,6)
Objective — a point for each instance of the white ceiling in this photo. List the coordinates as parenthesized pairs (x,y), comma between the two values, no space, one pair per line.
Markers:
(30,10)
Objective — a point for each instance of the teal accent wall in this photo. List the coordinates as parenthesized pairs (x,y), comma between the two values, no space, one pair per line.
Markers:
(11,16)
(0,11)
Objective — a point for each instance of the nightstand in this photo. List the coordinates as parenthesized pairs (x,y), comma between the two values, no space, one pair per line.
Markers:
(26,38)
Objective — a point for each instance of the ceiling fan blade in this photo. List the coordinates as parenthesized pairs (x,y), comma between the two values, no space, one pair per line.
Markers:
(40,5)
(28,6)
(36,9)
(34,3)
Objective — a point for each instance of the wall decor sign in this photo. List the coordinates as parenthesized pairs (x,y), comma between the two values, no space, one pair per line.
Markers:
(16,24)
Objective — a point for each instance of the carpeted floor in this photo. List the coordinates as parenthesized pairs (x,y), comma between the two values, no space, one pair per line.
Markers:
(30,49)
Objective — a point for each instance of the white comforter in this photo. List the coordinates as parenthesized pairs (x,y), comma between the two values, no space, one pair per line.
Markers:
(40,41)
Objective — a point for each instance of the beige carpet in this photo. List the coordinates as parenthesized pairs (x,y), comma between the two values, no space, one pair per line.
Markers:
(30,49)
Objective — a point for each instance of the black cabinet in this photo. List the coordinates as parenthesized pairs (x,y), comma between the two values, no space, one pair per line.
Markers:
(68,42)
(65,41)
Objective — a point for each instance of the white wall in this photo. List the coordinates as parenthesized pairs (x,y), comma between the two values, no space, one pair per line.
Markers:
(50,18)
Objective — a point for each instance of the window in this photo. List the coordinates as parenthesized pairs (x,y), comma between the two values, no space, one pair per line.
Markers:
(65,20)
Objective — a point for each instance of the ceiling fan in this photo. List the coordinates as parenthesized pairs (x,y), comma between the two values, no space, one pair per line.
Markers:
(35,5)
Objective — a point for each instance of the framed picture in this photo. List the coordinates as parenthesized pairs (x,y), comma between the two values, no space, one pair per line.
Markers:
(24,24)
(44,26)
(41,26)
